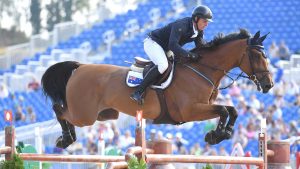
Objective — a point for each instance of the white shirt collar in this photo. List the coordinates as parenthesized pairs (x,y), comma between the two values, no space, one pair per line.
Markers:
(195,32)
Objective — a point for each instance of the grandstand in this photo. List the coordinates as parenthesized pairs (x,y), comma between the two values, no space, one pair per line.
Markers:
(120,39)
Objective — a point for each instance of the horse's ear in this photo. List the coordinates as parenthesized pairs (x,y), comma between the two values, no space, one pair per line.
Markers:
(261,39)
(256,36)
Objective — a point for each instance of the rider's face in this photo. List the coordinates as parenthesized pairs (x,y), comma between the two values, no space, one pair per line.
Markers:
(202,24)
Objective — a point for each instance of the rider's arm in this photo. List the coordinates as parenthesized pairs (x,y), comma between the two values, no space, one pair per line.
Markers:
(177,31)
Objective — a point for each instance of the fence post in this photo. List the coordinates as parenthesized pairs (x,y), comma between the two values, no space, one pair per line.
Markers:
(10,141)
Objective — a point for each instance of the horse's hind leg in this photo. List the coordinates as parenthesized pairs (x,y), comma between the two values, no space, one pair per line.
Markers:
(204,112)
(68,130)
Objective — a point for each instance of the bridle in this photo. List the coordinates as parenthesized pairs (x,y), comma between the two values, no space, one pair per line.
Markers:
(252,77)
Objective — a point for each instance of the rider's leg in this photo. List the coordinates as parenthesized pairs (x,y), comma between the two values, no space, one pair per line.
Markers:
(149,78)
(158,57)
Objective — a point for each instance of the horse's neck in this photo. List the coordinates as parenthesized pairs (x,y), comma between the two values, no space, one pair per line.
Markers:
(225,58)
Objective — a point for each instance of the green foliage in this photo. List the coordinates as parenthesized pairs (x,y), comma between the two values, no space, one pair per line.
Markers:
(133,163)
(6,7)
(46,165)
(62,10)
(67,5)
(15,163)
(207,167)
(81,5)
(54,14)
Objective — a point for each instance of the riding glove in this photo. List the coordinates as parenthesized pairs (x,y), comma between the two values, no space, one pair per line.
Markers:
(193,56)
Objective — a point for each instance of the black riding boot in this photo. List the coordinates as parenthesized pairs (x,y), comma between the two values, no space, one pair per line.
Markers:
(148,80)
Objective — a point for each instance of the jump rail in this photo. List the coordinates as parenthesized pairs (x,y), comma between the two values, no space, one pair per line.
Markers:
(162,158)
(5,150)
(71,158)
(272,154)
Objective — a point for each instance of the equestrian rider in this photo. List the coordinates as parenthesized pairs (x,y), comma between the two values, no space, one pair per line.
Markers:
(171,38)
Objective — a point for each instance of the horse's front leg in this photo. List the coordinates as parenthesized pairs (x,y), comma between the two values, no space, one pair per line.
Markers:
(68,130)
(230,124)
(200,112)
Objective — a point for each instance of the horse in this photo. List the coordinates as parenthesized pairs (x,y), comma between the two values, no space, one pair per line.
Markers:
(84,93)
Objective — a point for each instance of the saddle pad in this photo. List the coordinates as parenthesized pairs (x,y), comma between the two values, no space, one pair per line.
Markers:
(134,78)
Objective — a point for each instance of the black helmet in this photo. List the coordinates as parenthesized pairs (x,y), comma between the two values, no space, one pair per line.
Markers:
(202,12)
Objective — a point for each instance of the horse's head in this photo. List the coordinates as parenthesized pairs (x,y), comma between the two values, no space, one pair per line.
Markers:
(255,64)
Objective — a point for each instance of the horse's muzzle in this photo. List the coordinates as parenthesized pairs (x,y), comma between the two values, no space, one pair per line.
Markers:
(265,82)
(266,85)
(266,88)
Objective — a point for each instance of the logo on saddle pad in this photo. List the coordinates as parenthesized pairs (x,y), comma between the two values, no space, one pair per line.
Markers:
(136,74)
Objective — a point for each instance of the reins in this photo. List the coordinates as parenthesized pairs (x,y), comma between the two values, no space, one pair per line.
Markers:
(252,77)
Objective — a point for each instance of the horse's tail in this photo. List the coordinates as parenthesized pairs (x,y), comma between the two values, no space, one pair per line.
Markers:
(54,81)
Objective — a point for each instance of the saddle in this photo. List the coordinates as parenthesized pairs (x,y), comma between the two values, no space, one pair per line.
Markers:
(138,70)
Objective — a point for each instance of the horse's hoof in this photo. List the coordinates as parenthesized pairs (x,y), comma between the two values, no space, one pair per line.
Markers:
(214,137)
(210,138)
(61,142)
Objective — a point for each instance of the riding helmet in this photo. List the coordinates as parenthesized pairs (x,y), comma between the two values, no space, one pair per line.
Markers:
(202,11)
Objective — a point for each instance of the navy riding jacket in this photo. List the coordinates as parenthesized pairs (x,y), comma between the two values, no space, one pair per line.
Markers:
(174,35)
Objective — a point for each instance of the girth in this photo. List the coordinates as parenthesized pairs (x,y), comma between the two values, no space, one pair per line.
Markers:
(164,116)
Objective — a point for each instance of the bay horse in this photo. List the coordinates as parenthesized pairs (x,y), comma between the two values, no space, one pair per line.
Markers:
(84,93)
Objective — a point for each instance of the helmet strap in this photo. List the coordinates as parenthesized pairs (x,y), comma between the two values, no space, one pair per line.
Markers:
(195,20)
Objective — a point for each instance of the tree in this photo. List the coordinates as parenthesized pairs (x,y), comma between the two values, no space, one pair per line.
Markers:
(62,10)
(80,5)
(71,6)
(67,4)
(7,8)
(35,18)
(54,14)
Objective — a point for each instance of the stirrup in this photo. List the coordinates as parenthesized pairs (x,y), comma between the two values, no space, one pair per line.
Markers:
(138,97)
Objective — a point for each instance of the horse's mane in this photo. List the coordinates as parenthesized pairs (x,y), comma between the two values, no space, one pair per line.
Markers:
(220,39)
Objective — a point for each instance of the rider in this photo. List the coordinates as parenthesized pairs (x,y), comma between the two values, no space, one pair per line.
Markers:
(171,38)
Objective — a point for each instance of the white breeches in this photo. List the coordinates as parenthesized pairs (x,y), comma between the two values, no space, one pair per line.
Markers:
(156,54)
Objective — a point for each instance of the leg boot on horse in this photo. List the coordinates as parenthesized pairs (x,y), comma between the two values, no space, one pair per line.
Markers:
(222,132)
(218,135)
(148,80)
(230,124)
(68,130)
(68,135)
